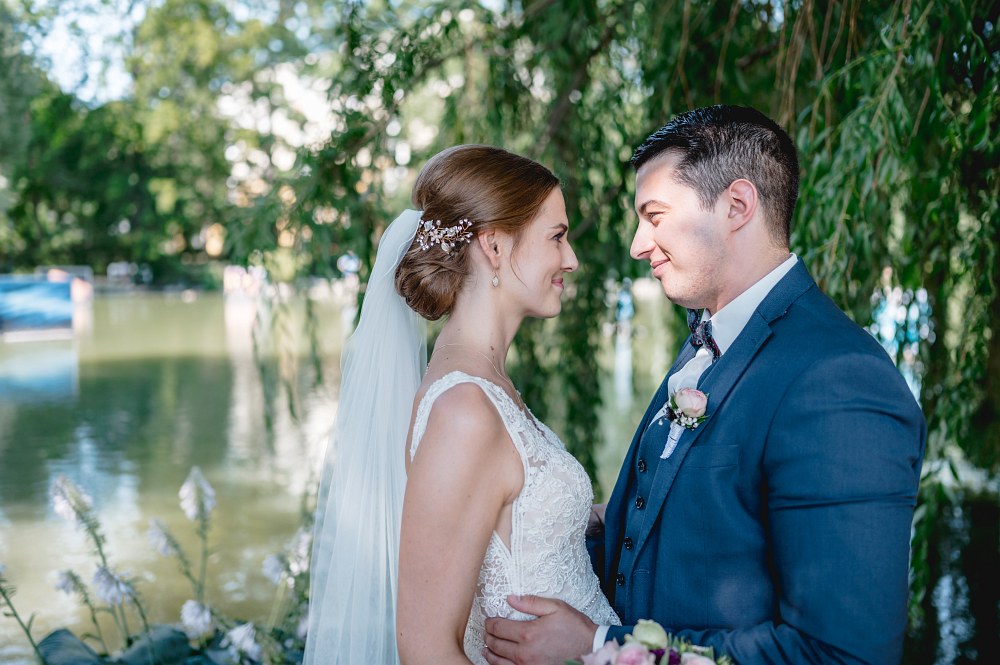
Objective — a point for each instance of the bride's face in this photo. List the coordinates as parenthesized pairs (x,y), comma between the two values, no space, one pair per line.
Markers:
(534,275)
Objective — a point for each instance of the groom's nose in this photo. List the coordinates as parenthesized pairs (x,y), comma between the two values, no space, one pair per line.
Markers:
(642,241)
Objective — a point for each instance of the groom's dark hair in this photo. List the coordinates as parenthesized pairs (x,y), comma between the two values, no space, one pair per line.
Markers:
(720,144)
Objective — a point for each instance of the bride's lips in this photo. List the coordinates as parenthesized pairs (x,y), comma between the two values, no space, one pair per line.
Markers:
(558,283)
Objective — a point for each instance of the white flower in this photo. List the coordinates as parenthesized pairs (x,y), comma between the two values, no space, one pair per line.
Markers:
(243,639)
(274,568)
(298,562)
(69,501)
(197,496)
(66,582)
(196,619)
(650,634)
(110,588)
(160,539)
(303,628)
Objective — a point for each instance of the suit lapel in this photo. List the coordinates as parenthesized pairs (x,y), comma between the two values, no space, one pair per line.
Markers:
(719,381)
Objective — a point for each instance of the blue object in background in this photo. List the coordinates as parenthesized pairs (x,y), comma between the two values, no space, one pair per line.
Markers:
(33,303)
(624,304)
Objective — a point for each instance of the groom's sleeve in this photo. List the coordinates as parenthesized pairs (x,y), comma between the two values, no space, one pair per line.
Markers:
(618,633)
(596,549)
(842,466)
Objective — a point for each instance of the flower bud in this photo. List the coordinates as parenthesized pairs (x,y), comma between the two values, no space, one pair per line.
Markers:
(691,402)
(650,634)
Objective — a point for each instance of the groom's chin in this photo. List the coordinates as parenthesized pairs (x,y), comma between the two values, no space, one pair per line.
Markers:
(667,291)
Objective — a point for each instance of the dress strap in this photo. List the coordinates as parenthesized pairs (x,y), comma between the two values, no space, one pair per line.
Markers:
(512,416)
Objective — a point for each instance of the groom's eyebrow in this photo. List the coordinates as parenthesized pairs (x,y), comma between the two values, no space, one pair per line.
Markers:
(652,202)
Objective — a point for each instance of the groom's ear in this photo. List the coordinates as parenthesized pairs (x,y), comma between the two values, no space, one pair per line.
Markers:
(742,198)
(489,242)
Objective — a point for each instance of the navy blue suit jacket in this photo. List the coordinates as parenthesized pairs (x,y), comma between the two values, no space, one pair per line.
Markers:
(778,531)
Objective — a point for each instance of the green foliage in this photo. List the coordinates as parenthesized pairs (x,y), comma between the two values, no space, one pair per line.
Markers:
(892,105)
(19,82)
(146,178)
(7,592)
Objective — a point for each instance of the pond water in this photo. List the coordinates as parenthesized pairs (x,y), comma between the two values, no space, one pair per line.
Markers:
(152,385)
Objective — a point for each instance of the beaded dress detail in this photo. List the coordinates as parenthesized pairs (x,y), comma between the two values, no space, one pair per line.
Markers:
(548,553)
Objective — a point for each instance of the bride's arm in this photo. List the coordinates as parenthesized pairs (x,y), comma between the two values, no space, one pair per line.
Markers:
(464,472)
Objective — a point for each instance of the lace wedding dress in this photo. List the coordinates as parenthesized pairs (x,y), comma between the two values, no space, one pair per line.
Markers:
(547,554)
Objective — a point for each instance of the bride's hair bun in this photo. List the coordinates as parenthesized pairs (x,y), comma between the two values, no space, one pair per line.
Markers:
(490,187)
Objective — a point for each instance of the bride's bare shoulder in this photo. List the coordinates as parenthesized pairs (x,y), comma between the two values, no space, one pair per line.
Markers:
(465,438)
(464,408)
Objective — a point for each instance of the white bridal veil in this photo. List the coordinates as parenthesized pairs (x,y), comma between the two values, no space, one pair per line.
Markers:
(356,535)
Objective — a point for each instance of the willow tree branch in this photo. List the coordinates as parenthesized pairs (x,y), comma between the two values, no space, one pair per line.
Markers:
(561,110)
(734,12)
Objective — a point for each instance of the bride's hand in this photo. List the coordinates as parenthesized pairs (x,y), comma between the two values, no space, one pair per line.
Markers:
(560,633)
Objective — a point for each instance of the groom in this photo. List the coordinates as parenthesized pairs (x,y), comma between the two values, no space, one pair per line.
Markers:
(777,530)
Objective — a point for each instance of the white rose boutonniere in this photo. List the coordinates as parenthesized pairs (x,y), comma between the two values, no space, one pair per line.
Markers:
(686,409)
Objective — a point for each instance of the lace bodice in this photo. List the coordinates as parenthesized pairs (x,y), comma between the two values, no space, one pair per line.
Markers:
(547,554)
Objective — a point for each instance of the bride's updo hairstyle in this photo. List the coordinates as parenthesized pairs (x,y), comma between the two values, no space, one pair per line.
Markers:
(489,187)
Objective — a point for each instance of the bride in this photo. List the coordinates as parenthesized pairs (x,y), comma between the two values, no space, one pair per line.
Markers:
(493,504)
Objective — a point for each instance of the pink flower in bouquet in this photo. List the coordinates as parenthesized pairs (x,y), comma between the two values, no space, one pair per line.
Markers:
(691,402)
(635,654)
(606,655)
(695,659)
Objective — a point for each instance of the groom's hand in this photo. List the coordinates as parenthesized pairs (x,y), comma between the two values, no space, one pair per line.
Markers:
(560,633)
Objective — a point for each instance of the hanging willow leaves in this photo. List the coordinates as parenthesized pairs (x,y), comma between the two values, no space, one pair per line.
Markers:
(892,105)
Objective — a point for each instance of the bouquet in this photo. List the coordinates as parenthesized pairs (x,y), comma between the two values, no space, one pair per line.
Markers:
(649,644)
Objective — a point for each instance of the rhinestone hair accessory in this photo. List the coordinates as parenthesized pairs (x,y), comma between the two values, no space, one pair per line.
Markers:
(431,233)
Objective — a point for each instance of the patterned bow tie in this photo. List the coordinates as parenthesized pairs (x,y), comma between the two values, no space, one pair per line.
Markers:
(701,333)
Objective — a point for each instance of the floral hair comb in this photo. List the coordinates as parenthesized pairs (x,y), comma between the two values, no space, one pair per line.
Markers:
(430,233)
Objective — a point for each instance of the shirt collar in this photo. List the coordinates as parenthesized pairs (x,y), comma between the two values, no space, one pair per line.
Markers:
(728,322)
